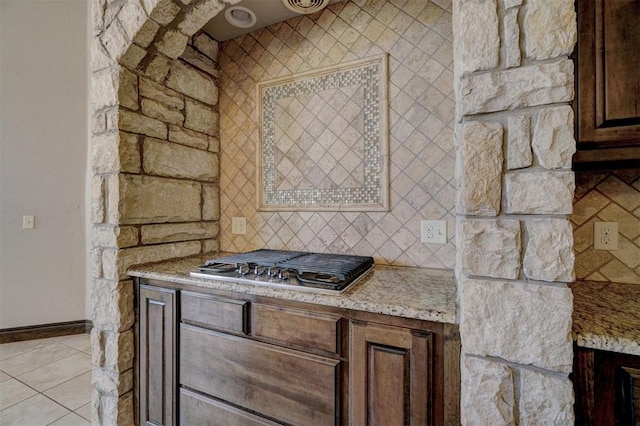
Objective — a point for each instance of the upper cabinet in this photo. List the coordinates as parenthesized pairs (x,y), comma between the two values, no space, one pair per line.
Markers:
(608,81)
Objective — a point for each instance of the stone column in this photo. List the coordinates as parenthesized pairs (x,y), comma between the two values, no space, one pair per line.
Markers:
(112,299)
(154,157)
(514,134)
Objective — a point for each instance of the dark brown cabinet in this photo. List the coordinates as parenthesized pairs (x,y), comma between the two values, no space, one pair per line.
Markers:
(157,356)
(222,358)
(607,388)
(608,81)
(391,380)
(272,363)
(287,386)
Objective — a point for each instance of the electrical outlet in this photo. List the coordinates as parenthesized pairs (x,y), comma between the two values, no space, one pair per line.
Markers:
(605,235)
(239,225)
(28,222)
(433,231)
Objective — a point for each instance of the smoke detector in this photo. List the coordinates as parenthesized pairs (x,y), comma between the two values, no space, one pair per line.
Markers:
(305,7)
(240,17)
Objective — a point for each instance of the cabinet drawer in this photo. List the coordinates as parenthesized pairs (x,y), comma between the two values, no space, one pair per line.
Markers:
(215,312)
(302,329)
(285,385)
(196,409)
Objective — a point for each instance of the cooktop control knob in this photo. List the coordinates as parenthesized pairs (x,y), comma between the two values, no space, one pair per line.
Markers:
(259,270)
(273,271)
(284,274)
(243,269)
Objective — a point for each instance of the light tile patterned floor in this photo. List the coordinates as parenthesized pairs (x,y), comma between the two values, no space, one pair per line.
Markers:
(46,381)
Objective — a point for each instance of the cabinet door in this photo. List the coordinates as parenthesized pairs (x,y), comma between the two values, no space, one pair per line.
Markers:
(157,355)
(608,95)
(629,395)
(390,375)
(606,386)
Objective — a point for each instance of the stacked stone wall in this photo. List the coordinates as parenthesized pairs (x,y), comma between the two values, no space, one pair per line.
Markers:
(155,163)
(514,136)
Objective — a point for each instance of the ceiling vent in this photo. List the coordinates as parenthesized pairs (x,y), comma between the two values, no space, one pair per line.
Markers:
(305,7)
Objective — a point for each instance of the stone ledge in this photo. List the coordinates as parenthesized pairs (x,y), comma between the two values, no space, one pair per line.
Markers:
(477,41)
(166,233)
(523,323)
(479,168)
(549,253)
(539,192)
(553,141)
(549,28)
(545,399)
(168,159)
(490,248)
(504,90)
(112,301)
(143,200)
(487,394)
(193,83)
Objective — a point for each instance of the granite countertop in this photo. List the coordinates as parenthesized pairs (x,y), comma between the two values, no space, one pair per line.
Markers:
(420,293)
(606,316)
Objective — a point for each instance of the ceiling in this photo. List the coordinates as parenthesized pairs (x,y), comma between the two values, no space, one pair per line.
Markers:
(267,12)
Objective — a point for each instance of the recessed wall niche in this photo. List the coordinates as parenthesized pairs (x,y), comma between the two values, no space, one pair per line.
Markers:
(324,139)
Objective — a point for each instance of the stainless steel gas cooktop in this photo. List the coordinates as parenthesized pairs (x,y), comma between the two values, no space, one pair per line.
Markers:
(318,272)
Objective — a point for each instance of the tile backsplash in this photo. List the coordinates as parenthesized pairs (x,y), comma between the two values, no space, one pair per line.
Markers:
(417,36)
(607,197)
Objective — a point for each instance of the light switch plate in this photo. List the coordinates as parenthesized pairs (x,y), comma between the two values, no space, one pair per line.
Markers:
(239,225)
(433,231)
(28,222)
(605,235)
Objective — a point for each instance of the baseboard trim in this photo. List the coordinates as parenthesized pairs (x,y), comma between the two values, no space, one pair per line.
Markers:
(44,331)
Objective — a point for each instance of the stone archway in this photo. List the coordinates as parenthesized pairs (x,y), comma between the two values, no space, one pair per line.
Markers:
(137,78)
(154,140)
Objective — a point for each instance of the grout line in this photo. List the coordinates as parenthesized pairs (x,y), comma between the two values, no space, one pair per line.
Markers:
(56,402)
(27,351)
(45,365)
(61,383)
(33,396)
(82,417)
(60,404)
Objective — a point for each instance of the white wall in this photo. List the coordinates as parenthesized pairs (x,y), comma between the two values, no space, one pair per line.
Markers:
(43,160)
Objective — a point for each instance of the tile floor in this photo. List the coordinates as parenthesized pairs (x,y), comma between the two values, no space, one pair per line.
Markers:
(46,381)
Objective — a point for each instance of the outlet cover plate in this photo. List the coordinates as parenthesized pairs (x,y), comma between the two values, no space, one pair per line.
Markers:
(433,231)
(28,222)
(239,225)
(605,235)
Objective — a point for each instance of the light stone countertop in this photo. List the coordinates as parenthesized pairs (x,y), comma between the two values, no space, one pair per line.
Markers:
(419,293)
(606,316)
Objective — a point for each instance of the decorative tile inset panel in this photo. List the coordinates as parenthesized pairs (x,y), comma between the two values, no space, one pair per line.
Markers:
(607,197)
(323,143)
(417,37)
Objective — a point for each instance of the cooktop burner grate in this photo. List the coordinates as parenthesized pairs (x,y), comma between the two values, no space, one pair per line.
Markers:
(343,266)
(294,269)
(262,257)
